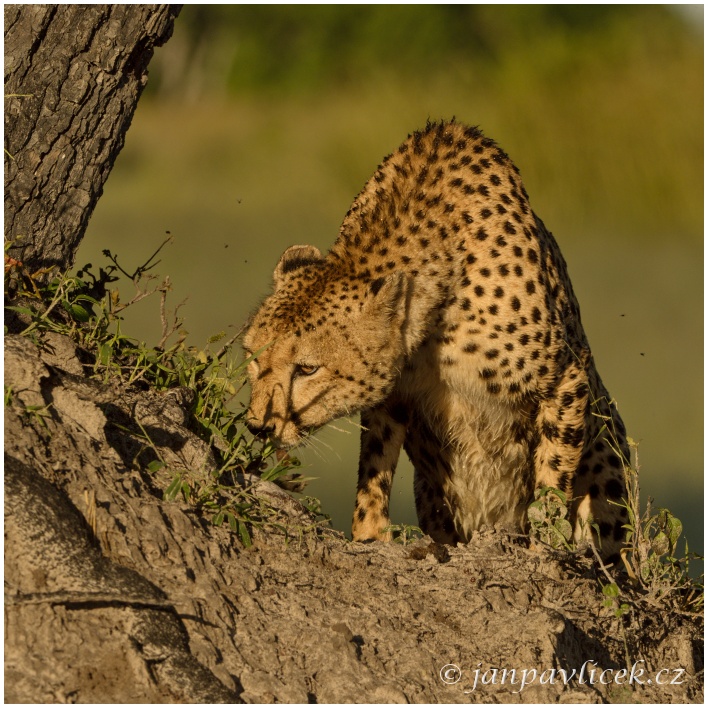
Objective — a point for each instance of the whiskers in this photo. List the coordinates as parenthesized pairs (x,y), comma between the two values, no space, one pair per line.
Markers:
(310,442)
(349,421)
(325,451)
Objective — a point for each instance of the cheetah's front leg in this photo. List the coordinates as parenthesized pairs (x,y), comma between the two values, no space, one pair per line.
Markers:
(383,430)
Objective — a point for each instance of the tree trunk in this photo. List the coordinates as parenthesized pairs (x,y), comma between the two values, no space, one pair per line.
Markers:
(73,77)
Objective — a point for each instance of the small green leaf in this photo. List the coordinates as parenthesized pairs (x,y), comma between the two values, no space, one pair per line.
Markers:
(549,492)
(535,513)
(276,472)
(244,535)
(674,528)
(233,523)
(76,311)
(173,489)
(105,353)
(564,528)
(156,465)
(610,590)
(623,609)
(21,310)
(660,544)
(86,298)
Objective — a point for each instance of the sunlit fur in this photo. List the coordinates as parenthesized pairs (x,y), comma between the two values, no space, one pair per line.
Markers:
(445,315)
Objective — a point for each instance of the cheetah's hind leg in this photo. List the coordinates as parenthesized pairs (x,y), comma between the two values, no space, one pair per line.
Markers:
(434,514)
(562,426)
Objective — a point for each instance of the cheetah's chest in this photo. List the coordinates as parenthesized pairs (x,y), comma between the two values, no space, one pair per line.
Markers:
(475,448)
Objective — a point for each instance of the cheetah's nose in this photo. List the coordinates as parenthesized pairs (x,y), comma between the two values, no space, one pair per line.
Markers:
(260,429)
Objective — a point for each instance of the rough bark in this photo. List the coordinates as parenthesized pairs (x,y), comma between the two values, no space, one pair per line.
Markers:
(114,595)
(73,77)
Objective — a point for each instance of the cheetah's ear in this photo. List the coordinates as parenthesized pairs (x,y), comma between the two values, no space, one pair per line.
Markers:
(387,296)
(295,257)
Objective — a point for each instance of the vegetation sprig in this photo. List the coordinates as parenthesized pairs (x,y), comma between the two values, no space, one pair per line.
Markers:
(87,307)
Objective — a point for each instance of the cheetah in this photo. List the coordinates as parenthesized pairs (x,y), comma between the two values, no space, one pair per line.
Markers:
(445,316)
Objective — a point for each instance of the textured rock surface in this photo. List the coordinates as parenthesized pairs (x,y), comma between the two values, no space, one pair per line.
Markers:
(112,594)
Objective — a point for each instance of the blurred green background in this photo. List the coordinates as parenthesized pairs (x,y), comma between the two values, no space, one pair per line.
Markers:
(260,124)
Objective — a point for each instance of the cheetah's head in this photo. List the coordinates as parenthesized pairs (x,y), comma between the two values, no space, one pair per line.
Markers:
(324,345)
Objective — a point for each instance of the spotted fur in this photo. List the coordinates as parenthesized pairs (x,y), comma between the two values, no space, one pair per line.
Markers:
(444,314)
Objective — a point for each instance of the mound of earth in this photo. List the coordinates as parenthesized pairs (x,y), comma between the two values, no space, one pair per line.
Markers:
(114,595)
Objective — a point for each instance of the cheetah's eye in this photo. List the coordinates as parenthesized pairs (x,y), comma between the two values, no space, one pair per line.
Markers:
(305,369)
